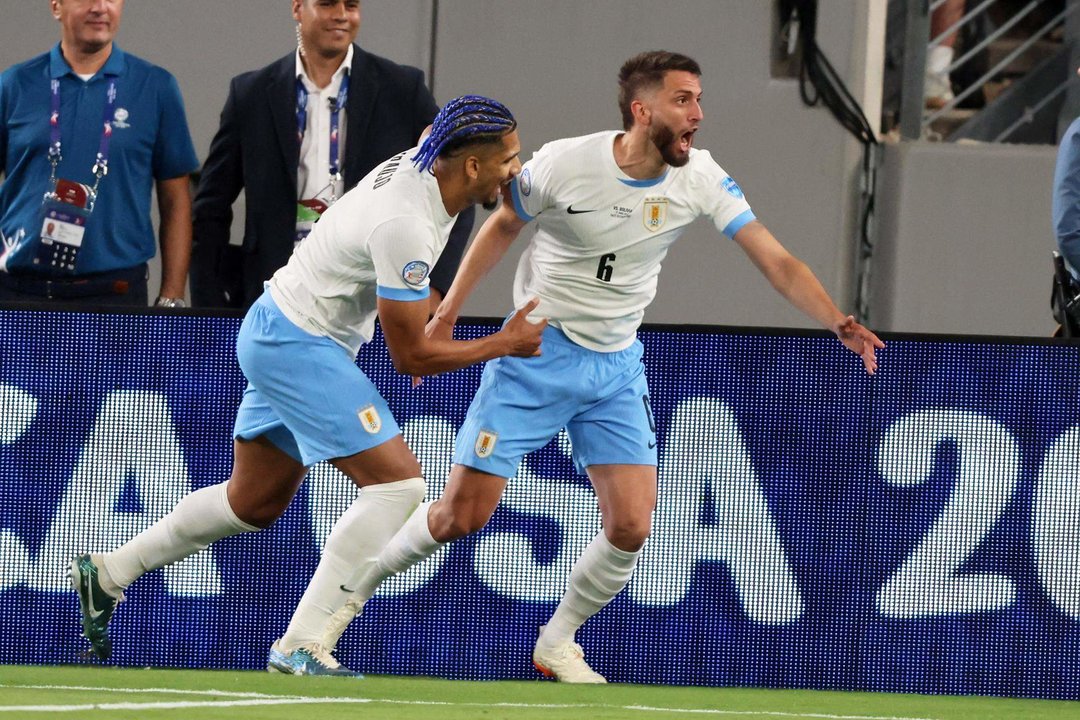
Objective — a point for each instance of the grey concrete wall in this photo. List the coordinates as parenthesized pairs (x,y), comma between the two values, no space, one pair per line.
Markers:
(204,43)
(554,62)
(966,239)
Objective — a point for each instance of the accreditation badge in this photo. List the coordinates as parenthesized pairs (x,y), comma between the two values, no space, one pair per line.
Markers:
(308,213)
(65,213)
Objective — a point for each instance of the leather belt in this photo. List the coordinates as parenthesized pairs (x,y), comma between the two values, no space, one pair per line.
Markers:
(112,282)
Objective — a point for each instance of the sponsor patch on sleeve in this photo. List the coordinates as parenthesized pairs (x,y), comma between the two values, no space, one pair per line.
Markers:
(733,188)
(415,272)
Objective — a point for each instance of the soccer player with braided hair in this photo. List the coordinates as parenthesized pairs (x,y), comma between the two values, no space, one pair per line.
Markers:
(306,399)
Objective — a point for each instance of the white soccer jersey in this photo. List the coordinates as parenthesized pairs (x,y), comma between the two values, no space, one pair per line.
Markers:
(380,239)
(596,255)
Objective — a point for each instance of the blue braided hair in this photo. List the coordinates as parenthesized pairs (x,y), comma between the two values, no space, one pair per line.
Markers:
(466,120)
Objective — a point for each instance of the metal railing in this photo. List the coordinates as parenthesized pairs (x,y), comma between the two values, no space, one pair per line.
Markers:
(916,119)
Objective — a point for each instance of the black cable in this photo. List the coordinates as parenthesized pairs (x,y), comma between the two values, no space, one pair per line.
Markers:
(817,72)
(819,83)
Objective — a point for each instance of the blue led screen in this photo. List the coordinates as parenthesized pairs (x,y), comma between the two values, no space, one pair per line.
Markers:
(916,531)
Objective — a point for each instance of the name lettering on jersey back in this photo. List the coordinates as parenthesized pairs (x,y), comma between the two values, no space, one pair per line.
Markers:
(387,171)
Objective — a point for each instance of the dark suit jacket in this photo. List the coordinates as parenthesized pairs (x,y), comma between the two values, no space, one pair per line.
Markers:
(256,149)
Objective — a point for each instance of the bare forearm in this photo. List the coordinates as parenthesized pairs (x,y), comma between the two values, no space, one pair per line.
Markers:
(174,202)
(485,253)
(438,356)
(416,352)
(798,284)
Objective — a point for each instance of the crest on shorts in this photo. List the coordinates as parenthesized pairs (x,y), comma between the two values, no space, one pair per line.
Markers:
(369,418)
(485,443)
(654,214)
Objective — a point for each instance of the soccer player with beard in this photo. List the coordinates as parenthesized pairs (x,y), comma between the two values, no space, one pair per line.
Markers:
(609,206)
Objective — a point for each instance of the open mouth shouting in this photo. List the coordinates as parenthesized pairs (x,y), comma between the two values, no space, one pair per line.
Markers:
(686,141)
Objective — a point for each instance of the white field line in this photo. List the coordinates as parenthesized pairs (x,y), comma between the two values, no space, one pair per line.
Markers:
(167,691)
(248,699)
(180,705)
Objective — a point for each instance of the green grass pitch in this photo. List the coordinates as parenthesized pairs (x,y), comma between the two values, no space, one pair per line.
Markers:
(90,692)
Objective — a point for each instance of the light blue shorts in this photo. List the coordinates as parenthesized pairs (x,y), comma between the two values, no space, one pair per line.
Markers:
(602,399)
(305,393)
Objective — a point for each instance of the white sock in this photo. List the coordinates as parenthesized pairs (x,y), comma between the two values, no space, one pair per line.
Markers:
(412,544)
(353,547)
(598,576)
(199,519)
(938,59)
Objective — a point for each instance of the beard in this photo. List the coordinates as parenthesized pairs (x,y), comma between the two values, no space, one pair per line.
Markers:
(665,141)
(490,205)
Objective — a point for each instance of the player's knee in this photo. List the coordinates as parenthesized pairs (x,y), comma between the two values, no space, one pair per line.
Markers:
(448,522)
(408,492)
(261,515)
(630,533)
(413,490)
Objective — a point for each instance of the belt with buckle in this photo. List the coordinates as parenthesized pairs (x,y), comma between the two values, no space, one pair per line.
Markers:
(112,282)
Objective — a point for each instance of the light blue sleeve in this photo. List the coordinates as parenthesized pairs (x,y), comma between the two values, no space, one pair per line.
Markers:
(719,196)
(531,189)
(518,198)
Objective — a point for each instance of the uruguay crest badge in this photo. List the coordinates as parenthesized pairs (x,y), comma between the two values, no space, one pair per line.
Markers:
(485,443)
(654,213)
(369,418)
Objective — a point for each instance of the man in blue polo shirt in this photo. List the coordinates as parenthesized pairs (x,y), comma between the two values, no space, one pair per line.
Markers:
(86,130)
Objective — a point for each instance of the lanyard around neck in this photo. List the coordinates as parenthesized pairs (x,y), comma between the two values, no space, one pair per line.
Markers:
(101,162)
(336,106)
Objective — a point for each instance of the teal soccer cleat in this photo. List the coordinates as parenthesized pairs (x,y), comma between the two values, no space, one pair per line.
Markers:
(312,660)
(97,606)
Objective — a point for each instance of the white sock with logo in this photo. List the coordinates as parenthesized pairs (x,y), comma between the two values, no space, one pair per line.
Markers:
(353,547)
(412,544)
(199,519)
(600,574)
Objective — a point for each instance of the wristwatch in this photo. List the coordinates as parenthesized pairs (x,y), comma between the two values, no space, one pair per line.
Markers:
(164,302)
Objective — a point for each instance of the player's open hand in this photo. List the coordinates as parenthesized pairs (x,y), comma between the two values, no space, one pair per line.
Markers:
(523,334)
(860,341)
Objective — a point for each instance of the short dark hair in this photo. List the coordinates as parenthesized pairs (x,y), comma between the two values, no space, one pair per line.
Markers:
(646,71)
(465,120)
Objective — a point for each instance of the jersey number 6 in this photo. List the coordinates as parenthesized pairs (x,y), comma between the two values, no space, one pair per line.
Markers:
(603,272)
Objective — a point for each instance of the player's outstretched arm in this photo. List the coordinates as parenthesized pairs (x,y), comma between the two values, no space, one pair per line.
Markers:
(415,353)
(796,282)
(498,232)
